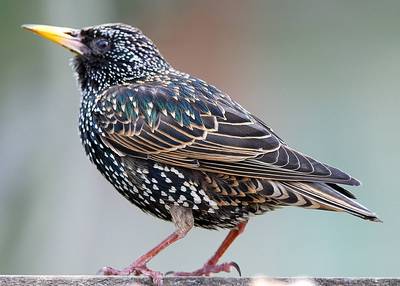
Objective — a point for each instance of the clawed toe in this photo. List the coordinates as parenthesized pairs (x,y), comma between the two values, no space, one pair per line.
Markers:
(156,276)
(109,271)
(208,269)
(236,266)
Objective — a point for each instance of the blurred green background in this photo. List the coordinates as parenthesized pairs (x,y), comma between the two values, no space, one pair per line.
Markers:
(323,74)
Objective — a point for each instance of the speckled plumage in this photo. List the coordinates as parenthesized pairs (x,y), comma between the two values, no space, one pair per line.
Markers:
(163,137)
(175,146)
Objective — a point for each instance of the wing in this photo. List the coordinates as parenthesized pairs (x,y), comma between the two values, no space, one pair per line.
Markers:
(185,122)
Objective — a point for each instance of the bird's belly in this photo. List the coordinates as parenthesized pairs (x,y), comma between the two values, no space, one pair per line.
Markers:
(155,187)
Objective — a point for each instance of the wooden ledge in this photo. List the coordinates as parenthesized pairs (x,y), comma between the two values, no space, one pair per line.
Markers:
(42,280)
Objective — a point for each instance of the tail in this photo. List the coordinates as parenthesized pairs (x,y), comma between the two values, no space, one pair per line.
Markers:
(330,197)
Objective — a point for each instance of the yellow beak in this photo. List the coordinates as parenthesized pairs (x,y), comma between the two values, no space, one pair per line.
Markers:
(66,37)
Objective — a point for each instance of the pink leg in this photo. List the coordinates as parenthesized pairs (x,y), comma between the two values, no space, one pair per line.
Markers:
(211,265)
(139,267)
(183,220)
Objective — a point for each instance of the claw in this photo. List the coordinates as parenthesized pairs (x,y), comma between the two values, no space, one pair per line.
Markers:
(101,271)
(237,267)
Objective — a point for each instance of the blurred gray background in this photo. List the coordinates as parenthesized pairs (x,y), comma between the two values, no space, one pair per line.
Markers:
(323,74)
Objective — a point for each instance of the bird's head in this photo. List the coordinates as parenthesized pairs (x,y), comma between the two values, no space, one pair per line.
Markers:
(107,54)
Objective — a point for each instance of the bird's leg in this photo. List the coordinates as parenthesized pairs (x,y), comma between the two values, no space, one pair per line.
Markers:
(183,219)
(211,265)
(139,266)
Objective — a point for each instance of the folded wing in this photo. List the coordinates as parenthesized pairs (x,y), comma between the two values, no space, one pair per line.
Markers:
(192,124)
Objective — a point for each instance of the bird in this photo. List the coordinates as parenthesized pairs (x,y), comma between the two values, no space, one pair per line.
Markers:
(181,149)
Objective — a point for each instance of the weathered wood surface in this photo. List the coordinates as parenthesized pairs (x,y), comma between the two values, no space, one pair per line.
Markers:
(14,280)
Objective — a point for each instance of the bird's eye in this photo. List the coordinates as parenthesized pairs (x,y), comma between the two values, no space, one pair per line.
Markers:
(101,45)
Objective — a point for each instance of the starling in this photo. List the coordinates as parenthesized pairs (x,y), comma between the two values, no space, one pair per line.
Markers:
(181,149)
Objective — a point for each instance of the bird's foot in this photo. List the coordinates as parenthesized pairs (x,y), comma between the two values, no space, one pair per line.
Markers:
(135,270)
(208,269)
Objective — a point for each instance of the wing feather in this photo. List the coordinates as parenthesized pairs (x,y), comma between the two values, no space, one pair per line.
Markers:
(188,123)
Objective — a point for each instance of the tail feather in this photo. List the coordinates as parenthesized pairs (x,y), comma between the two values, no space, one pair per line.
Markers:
(328,197)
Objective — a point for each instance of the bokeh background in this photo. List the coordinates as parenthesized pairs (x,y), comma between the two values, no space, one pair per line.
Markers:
(323,74)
